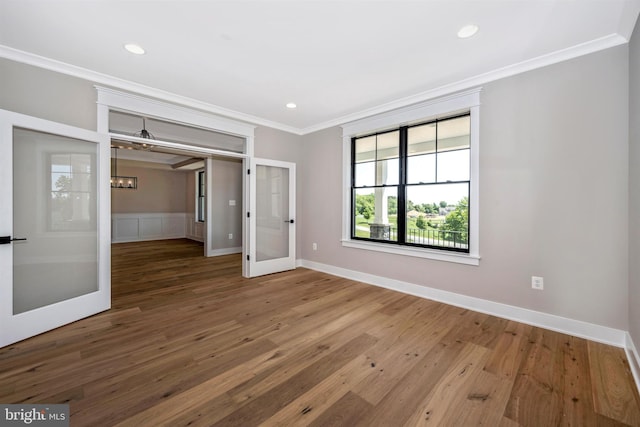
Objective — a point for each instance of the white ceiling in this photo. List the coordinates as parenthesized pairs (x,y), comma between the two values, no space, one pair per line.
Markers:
(338,60)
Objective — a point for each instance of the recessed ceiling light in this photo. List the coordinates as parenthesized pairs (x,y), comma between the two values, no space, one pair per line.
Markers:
(134,48)
(292,105)
(467,31)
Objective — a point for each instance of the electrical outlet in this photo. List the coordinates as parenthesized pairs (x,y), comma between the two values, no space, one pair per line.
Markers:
(230,236)
(537,283)
(315,246)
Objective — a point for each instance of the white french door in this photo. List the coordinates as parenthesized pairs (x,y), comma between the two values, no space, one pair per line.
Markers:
(54,225)
(272,217)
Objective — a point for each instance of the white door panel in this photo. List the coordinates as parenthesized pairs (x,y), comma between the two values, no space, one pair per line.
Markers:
(54,195)
(271,217)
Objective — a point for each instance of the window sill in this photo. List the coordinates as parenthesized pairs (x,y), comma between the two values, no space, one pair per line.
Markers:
(467,259)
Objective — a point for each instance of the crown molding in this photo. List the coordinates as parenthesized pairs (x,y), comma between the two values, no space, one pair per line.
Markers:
(137,88)
(592,46)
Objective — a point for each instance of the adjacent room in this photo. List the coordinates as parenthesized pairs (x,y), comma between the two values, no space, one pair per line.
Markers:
(160,192)
(355,213)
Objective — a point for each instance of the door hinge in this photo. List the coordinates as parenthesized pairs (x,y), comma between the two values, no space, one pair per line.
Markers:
(248,171)
(248,214)
(247,257)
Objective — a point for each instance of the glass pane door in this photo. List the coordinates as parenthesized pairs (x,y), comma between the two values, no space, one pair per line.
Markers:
(272,217)
(55,210)
(272,212)
(54,225)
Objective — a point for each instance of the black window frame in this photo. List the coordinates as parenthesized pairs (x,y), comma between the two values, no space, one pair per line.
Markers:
(200,196)
(402,187)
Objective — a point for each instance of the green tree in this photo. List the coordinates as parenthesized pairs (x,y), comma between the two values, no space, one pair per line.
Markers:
(367,212)
(365,205)
(420,223)
(443,204)
(392,205)
(458,221)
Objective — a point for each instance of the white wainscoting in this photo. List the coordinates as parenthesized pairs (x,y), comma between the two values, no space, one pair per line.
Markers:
(195,229)
(137,227)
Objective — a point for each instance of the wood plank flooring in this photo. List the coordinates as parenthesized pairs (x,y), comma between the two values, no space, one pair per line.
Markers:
(191,342)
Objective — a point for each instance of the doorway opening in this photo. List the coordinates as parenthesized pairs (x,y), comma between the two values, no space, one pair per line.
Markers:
(182,189)
(179,194)
(270,208)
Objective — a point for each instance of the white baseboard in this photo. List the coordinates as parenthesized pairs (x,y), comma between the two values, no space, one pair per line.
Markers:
(578,328)
(226,251)
(634,359)
(146,239)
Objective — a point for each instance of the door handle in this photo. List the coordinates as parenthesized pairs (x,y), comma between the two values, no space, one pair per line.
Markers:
(290,221)
(5,240)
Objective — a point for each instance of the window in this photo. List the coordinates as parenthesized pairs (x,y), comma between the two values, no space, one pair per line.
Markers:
(200,196)
(411,185)
(411,180)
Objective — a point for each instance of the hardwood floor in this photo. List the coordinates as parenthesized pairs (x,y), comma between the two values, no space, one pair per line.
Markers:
(191,342)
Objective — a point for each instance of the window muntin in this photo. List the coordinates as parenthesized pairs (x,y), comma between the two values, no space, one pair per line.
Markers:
(420,198)
(376,169)
(377,160)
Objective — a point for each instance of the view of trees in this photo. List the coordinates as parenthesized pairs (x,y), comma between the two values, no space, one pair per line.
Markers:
(365,205)
(456,220)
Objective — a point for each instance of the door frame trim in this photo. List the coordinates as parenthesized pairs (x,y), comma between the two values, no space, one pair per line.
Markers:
(111,99)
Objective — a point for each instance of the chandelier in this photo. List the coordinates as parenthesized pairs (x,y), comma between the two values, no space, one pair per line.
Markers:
(117,181)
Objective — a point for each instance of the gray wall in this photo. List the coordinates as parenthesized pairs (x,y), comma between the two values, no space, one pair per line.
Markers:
(160,190)
(553,193)
(47,95)
(634,186)
(227,185)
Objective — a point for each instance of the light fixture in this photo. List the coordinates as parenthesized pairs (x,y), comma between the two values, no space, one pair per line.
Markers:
(467,31)
(291,105)
(134,48)
(129,182)
(144,134)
